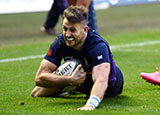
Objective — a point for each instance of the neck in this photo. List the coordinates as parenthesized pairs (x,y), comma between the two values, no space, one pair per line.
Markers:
(78,47)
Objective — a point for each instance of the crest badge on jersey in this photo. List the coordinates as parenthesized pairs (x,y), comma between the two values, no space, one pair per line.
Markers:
(99,57)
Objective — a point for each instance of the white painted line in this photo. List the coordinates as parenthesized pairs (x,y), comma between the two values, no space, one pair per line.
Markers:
(21,58)
(136,50)
(114,47)
(136,44)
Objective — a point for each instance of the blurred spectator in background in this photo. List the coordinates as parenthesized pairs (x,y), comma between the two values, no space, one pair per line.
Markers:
(57,9)
(92,23)
(152,77)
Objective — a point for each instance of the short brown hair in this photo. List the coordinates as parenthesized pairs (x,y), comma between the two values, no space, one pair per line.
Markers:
(76,14)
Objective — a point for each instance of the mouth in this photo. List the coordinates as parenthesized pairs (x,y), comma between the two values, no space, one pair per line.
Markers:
(70,39)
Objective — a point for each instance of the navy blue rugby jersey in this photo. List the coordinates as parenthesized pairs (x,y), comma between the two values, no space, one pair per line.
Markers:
(94,51)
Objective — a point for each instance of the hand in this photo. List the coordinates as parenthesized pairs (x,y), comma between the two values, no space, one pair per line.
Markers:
(86,108)
(78,76)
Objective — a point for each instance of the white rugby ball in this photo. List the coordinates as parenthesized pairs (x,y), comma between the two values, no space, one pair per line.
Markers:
(67,69)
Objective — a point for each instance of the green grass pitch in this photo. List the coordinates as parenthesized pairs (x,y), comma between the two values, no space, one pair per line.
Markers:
(133,33)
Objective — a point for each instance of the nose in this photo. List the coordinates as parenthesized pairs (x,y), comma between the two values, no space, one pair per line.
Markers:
(68,33)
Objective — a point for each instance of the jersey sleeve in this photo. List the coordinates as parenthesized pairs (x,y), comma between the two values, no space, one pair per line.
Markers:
(99,53)
(54,53)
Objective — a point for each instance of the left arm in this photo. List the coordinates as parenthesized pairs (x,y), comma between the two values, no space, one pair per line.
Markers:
(100,76)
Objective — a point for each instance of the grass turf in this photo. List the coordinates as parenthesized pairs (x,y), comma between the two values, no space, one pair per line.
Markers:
(17,78)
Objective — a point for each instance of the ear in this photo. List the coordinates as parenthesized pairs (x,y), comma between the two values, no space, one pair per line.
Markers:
(85,28)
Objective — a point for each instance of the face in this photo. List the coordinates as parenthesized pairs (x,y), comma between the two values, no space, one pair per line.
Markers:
(74,34)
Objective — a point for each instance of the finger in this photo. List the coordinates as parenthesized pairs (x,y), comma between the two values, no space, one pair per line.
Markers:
(79,66)
(79,69)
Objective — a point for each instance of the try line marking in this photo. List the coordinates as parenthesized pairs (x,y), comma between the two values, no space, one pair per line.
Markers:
(114,47)
(135,44)
(21,58)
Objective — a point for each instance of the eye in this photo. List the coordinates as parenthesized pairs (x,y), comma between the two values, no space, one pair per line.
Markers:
(73,30)
(64,28)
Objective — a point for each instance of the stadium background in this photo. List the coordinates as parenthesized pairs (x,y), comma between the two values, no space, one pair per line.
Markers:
(133,32)
(18,6)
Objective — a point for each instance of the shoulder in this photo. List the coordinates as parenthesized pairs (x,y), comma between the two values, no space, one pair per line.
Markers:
(54,54)
(59,40)
(94,40)
(97,49)
(58,43)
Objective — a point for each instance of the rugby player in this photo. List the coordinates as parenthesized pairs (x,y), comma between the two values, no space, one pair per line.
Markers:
(102,78)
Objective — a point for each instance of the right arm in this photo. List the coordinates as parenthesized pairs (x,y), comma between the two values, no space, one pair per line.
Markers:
(46,78)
